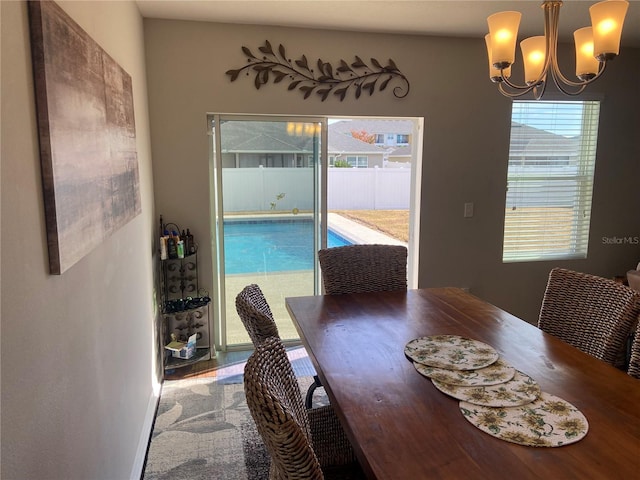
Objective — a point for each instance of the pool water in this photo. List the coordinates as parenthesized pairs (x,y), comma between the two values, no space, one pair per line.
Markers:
(271,245)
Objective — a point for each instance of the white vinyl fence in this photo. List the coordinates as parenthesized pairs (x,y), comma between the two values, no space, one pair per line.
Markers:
(257,189)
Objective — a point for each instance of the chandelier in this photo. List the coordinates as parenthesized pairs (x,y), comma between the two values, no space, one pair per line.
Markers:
(595,46)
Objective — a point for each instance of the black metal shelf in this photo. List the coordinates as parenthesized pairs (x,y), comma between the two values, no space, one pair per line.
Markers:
(185,310)
(201,354)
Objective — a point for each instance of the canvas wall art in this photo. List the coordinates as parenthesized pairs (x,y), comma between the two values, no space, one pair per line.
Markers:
(86,125)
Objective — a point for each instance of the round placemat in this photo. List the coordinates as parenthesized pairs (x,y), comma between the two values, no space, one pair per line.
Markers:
(547,422)
(451,352)
(498,372)
(522,389)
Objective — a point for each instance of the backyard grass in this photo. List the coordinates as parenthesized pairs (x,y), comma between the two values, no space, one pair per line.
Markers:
(557,222)
(554,226)
(394,223)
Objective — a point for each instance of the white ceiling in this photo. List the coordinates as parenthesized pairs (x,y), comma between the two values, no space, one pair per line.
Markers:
(424,17)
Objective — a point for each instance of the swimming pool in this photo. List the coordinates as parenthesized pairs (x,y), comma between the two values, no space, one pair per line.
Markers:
(271,245)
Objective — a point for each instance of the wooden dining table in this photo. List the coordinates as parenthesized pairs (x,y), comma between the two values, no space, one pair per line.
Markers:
(403,428)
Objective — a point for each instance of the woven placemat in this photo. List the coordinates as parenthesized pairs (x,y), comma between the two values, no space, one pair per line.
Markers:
(549,421)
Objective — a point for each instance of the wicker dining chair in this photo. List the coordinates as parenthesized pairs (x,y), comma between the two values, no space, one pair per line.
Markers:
(363,268)
(591,313)
(302,444)
(257,318)
(634,360)
(255,314)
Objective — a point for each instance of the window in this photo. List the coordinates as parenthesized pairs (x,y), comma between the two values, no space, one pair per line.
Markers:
(379,138)
(550,180)
(358,162)
(402,138)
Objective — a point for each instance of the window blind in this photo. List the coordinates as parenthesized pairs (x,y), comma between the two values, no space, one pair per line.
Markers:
(552,157)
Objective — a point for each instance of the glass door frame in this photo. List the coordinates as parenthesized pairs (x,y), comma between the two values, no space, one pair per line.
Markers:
(415,193)
(216,216)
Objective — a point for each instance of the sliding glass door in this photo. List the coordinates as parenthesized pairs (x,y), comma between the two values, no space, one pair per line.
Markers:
(284,187)
(267,181)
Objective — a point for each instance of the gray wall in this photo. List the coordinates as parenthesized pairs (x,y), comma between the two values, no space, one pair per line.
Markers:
(466,142)
(78,370)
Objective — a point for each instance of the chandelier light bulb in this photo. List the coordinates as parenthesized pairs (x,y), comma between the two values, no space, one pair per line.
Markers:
(587,64)
(607,19)
(503,28)
(495,74)
(533,53)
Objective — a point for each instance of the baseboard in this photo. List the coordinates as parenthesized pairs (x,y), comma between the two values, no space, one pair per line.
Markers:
(137,470)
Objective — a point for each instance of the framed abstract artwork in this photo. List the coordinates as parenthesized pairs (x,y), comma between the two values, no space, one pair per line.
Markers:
(86,127)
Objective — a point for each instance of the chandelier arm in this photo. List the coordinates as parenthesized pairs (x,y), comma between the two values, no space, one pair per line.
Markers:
(563,88)
(558,76)
(552,20)
(560,80)
(506,81)
(538,90)
(517,93)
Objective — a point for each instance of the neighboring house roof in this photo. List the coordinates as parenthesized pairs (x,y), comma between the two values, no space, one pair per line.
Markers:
(531,142)
(373,126)
(273,137)
(267,137)
(345,143)
(262,137)
(403,151)
(267,143)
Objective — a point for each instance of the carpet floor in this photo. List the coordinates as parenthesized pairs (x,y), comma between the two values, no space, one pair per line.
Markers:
(204,430)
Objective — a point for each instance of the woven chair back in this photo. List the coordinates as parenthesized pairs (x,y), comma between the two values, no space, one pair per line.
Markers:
(255,314)
(634,361)
(363,268)
(591,313)
(274,399)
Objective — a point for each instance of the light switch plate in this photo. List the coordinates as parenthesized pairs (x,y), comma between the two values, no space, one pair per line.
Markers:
(468,210)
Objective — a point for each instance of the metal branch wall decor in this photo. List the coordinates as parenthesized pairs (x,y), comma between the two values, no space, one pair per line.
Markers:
(324,81)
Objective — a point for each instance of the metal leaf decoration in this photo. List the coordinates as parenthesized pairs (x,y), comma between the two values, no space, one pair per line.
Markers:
(324,80)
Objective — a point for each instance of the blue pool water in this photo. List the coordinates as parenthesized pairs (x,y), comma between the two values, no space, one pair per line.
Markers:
(271,245)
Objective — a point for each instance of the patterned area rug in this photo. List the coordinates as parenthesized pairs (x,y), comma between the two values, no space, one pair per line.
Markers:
(204,429)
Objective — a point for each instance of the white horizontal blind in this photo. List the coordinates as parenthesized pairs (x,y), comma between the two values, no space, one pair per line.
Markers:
(550,180)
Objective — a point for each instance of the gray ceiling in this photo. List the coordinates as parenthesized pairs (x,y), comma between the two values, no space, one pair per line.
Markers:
(424,17)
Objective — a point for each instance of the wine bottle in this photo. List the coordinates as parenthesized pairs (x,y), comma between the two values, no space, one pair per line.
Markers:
(190,243)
